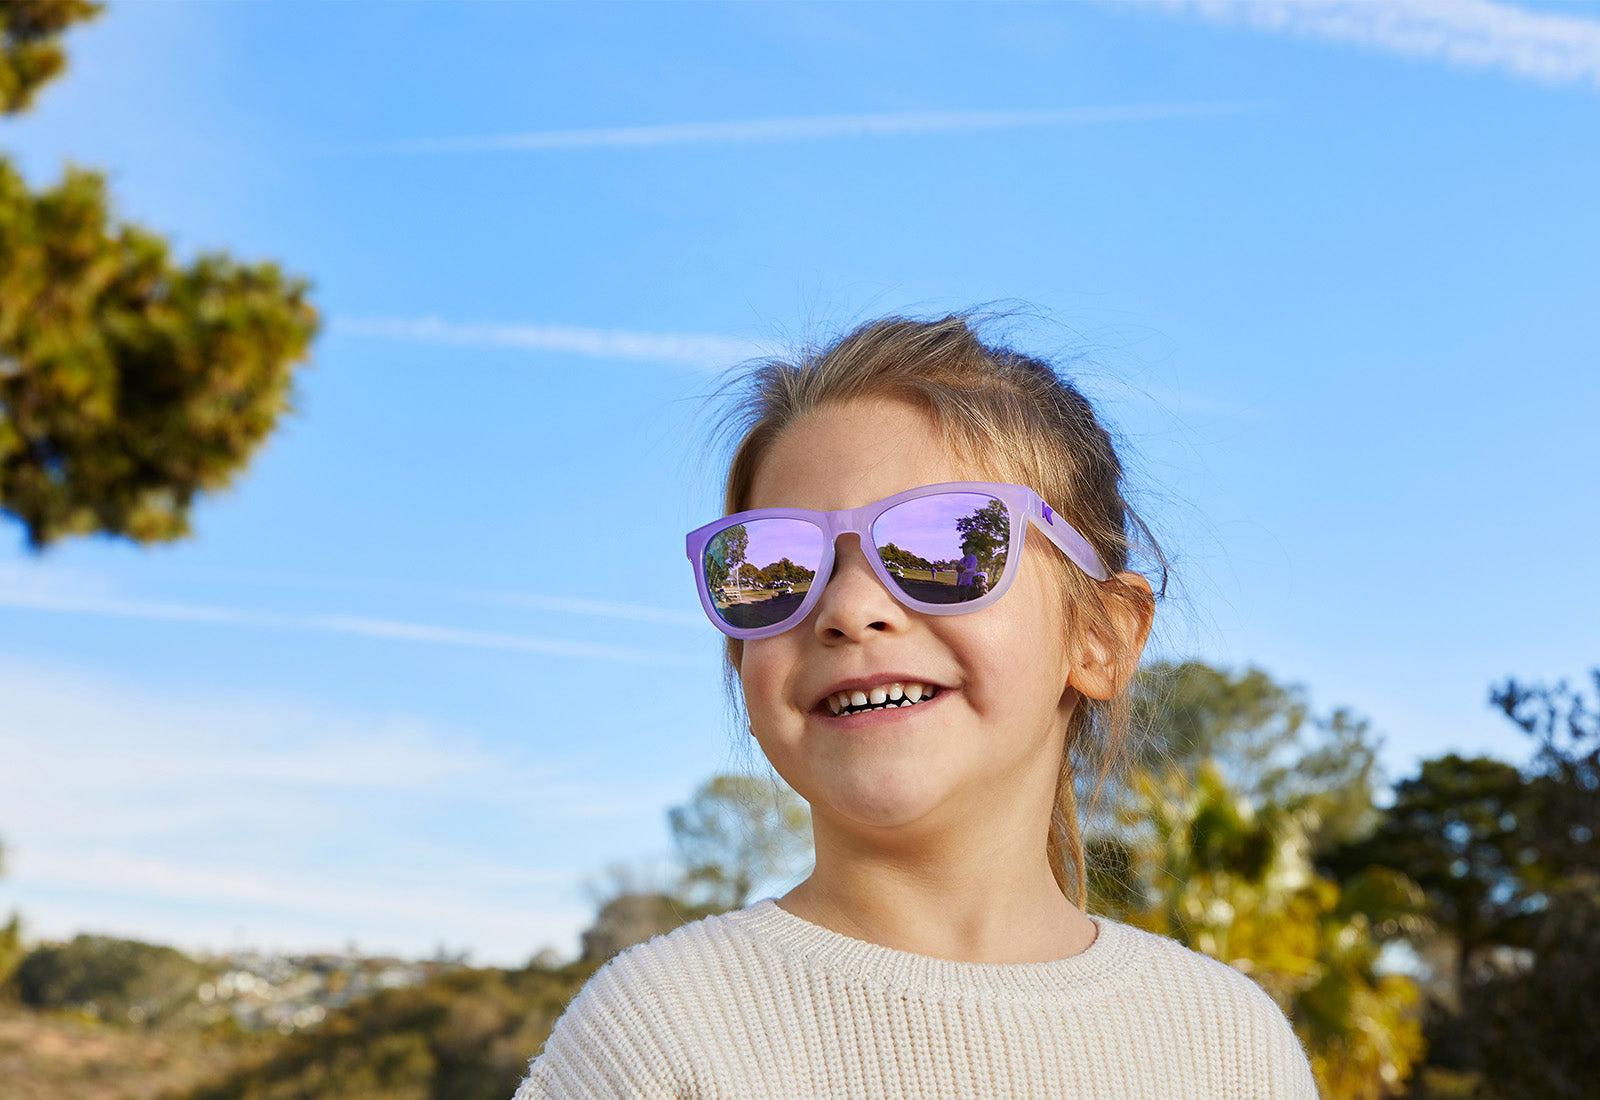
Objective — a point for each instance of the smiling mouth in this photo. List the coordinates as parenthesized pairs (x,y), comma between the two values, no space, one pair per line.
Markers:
(844,703)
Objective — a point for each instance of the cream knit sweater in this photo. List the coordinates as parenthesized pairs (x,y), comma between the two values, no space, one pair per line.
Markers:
(760,1003)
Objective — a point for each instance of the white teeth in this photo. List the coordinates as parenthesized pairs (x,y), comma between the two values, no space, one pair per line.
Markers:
(878,698)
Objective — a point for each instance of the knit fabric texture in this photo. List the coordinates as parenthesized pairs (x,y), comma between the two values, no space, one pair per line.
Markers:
(759,1003)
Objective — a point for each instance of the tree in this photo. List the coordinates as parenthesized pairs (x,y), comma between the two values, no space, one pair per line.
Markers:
(986,533)
(1194,860)
(11,951)
(1528,1024)
(1535,1025)
(130,384)
(738,832)
(1565,772)
(112,978)
(30,53)
(1462,830)
(633,917)
(462,1035)
(1263,736)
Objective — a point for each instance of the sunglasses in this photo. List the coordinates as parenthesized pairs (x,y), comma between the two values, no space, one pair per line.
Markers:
(942,550)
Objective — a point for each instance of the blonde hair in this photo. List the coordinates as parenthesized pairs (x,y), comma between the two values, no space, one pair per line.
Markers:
(1013,416)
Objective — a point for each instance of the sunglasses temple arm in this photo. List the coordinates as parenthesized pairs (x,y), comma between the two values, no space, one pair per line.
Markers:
(1067,540)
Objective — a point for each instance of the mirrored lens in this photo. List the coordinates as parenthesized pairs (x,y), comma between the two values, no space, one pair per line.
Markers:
(945,548)
(758,572)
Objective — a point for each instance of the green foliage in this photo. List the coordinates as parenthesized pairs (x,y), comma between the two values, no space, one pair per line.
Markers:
(1262,735)
(986,533)
(11,954)
(1198,862)
(1536,1025)
(30,55)
(905,559)
(735,542)
(464,1035)
(784,570)
(1565,775)
(1462,830)
(1509,858)
(116,980)
(737,832)
(129,384)
(1211,842)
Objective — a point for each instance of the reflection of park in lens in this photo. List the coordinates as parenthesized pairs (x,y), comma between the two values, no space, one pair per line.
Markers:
(759,572)
(946,548)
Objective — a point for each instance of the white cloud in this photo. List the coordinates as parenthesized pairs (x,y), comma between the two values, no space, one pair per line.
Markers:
(291,910)
(1553,48)
(605,609)
(53,599)
(692,349)
(816,127)
(181,815)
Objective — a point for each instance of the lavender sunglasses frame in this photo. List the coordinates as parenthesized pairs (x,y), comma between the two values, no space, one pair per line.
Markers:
(1023,507)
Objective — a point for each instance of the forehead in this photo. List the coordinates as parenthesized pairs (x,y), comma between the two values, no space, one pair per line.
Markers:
(847,454)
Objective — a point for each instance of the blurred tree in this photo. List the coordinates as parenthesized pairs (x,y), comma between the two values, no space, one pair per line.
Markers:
(632,917)
(129,384)
(1565,771)
(1195,860)
(11,951)
(1463,830)
(1527,1022)
(1262,735)
(738,832)
(30,53)
(118,980)
(464,1035)
(1534,1025)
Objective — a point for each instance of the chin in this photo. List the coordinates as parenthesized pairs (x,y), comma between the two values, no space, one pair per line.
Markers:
(883,802)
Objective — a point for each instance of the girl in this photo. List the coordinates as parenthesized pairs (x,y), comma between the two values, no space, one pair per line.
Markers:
(936,726)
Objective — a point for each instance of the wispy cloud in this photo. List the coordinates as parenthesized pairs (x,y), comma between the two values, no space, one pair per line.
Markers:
(54,579)
(123,806)
(1550,47)
(812,128)
(691,349)
(360,626)
(605,609)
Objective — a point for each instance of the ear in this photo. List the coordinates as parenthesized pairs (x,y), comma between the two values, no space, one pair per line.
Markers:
(1107,658)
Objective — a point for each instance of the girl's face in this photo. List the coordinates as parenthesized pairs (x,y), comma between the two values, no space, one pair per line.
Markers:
(992,733)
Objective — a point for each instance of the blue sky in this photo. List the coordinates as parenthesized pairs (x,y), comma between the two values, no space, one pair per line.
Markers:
(435,663)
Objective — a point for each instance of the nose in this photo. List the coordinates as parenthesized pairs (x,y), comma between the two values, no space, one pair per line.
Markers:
(854,603)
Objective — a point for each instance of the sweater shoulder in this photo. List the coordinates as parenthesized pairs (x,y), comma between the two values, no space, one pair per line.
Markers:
(611,1040)
(1168,964)
(1218,1006)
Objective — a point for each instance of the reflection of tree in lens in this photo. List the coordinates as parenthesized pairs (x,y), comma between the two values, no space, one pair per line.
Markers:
(723,557)
(986,534)
(735,540)
(892,554)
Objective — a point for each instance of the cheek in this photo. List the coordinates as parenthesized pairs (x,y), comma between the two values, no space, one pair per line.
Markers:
(762,678)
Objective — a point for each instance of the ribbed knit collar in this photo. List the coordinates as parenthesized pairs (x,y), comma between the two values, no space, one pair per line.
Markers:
(1107,965)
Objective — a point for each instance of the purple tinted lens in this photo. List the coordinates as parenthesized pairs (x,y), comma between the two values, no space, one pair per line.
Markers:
(759,572)
(945,548)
